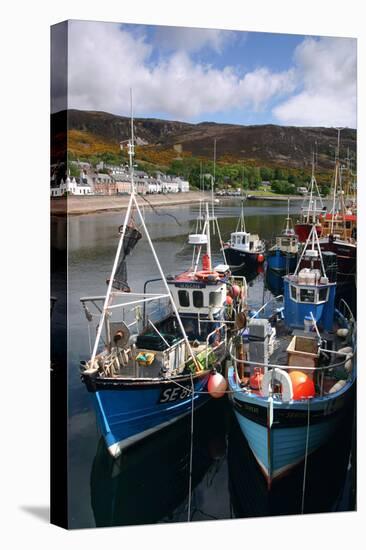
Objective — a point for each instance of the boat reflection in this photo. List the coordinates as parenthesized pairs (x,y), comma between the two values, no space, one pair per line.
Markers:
(325,486)
(274,282)
(149,482)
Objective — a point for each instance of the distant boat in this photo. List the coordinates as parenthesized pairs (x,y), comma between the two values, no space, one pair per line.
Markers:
(294,368)
(282,256)
(244,251)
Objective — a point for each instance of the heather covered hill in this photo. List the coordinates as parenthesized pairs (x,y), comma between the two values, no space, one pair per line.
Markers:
(262,144)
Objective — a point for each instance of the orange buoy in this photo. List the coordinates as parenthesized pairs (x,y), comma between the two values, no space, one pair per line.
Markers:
(206,264)
(216,385)
(260,258)
(302,385)
(229,300)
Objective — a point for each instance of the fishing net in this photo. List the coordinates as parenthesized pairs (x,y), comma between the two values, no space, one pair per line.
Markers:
(132,236)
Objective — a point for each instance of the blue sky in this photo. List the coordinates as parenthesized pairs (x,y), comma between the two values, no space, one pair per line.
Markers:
(199,75)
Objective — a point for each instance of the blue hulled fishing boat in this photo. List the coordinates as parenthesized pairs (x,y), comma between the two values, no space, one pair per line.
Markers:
(294,368)
(156,353)
(282,256)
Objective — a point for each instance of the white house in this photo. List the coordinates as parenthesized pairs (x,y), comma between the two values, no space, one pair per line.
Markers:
(183,185)
(71,186)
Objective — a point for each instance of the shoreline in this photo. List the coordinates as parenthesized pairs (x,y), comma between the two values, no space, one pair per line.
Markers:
(77,206)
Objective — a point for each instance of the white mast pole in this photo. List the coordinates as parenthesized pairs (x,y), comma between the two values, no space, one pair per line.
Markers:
(213,181)
(162,275)
(208,236)
(131,153)
(110,284)
(335,181)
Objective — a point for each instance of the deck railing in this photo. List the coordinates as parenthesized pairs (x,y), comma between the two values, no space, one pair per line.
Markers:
(346,361)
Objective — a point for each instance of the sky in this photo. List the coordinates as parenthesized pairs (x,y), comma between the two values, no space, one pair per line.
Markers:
(196,75)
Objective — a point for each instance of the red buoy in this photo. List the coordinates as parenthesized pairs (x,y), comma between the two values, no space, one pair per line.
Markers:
(216,385)
(235,291)
(206,264)
(302,385)
(260,258)
(229,300)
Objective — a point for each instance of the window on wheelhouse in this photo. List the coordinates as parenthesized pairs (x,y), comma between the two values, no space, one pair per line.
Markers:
(307,295)
(198,298)
(183,296)
(293,292)
(323,294)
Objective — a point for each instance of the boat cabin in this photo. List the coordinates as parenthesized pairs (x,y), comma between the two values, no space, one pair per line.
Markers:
(287,243)
(246,242)
(200,299)
(308,294)
(343,227)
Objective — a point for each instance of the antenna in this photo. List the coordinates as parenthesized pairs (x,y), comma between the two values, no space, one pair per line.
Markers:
(131,147)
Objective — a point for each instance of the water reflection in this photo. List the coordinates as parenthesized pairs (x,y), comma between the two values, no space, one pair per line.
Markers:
(149,483)
(325,488)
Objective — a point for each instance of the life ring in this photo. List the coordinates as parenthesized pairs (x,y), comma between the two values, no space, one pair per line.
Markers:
(280,377)
(206,273)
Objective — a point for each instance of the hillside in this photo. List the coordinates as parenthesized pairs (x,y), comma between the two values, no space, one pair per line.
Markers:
(91,132)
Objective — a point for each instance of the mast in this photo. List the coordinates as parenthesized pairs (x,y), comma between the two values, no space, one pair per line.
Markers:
(337,180)
(213,181)
(240,226)
(288,219)
(109,295)
(208,237)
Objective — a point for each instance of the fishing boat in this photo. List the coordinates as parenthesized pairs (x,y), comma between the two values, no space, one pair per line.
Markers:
(339,228)
(244,251)
(294,369)
(161,349)
(311,210)
(282,256)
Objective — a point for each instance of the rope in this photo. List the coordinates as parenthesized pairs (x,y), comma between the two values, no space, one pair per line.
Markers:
(191,455)
(160,213)
(306,460)
(89,337)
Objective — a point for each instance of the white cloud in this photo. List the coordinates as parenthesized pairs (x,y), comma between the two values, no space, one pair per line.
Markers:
(327,71)
(192,40)
(105,61)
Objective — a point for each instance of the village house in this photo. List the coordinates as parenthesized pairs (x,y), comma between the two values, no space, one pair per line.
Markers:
(72,186)
(104,184)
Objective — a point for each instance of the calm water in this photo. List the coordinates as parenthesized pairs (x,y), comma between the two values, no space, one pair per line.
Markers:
(149,483)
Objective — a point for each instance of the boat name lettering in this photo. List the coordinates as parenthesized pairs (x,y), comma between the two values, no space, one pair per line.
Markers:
(173,394)
(189,285)
(251,408)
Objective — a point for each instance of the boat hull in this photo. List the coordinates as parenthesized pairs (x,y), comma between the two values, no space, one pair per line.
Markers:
(346,257)
(296,428)
(281,262)
(302,230)
(130,410)
(238,259)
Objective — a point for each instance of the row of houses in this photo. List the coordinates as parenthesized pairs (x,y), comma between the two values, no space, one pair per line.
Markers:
(117,182)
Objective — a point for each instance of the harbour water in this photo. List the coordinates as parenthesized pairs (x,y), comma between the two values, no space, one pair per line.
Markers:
(149,483)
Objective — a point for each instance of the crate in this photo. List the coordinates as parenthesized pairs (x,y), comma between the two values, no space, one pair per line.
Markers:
(302,352)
